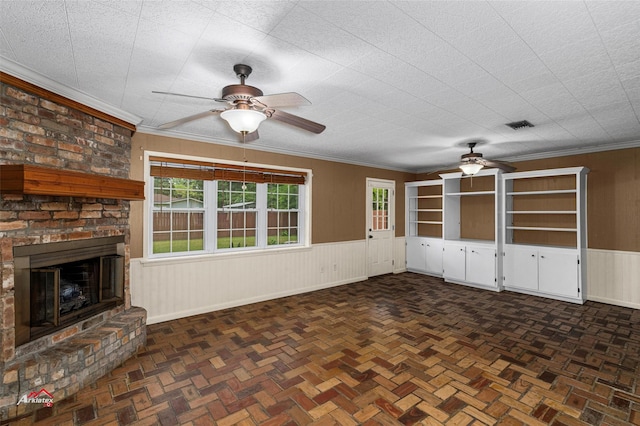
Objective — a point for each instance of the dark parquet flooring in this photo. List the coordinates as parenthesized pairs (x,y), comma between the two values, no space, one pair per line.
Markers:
(393,350)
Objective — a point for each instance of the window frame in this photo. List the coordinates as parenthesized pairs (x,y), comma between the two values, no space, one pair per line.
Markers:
(210,189)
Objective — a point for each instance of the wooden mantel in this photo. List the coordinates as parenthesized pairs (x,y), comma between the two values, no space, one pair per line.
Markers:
(38,180)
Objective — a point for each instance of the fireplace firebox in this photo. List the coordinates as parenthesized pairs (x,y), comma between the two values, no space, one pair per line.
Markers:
(58,284)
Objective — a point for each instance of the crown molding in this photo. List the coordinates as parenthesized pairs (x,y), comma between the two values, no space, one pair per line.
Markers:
(556,153)
(574,151)
(237,144)
(79,99)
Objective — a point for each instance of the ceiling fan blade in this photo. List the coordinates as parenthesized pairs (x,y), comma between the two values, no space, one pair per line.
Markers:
(296,121)
(188,96)
(189,118)
(282,100)
(508,168)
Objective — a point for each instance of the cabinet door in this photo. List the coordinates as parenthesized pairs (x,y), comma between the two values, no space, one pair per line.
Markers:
(521,267)
(481,265)
(454,262)
(558,273)
(434,255)
(416,254)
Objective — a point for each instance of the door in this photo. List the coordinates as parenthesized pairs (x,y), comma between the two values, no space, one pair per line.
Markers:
(520,267)
(558,273)
(434,255)
(481,265)
(380,226)
(416,254)
(454,261)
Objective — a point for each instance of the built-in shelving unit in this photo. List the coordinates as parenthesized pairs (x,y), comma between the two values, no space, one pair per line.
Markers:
(424,207)
(471,228)
(523,231)
(424,221)
(545,232)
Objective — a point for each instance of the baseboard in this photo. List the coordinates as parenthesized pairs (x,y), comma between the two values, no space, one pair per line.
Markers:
(614,302)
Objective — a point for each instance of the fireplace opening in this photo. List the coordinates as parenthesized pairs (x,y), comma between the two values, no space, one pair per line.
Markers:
(59,284)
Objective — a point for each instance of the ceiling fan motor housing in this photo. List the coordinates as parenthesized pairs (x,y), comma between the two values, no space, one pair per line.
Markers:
(472,156)
(240,92)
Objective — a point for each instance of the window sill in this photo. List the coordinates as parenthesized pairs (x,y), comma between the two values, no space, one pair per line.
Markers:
(208,257)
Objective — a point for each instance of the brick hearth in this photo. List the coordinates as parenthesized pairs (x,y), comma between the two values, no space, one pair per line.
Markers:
(34,130)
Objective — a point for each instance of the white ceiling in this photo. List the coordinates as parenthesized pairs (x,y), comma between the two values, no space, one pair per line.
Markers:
(399,84)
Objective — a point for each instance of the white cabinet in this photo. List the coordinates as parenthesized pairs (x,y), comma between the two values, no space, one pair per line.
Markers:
(520,267)
(545,233)
(558,273)
(471,264)
(454,262)
(424,255)
(434,256)
(545,271)
(416,256)
(481,266)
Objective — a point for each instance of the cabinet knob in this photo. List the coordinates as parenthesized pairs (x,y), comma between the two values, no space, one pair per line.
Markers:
(541,257)
(461,249)
(533,255)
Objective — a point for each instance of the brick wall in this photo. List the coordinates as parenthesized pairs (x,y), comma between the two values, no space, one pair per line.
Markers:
(36,130)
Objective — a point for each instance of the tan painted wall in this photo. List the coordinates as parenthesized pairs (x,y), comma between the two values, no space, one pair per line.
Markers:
(613,195)
(338,194)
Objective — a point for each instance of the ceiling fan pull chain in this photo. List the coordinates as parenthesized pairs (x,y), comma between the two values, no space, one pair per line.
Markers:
(244,164)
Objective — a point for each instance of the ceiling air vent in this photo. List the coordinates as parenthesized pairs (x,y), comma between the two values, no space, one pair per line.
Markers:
(516,125)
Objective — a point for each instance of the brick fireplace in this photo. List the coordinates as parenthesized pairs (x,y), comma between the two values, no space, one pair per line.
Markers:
(59,164)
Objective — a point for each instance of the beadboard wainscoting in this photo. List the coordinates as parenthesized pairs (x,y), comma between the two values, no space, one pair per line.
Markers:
(614,277)
(177,288)
(399,255)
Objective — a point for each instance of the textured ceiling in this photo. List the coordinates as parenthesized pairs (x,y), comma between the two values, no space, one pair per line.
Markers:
(399,84)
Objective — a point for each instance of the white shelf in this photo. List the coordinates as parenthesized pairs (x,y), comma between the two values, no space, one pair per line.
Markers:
(549,192)
(425,210)
(541,212)
(540,228)
(428,222)
(457,194)
(425,196)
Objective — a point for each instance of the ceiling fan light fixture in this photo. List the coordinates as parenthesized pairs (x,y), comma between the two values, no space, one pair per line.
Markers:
(243,120)
(471,168)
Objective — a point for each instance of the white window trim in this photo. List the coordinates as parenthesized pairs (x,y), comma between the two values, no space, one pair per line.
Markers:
(211,213)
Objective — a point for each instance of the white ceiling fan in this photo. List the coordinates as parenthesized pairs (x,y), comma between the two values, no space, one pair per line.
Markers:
(472,162)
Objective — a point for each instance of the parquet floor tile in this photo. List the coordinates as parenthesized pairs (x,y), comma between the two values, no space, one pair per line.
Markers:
(401,349)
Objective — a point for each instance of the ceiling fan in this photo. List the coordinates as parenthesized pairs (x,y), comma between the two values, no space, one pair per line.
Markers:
(248,107)
(472,163)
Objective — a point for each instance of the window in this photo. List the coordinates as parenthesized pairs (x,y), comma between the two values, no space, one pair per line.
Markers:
(237,215)
(205,207)
(178,215)
(282,215)
(380,209)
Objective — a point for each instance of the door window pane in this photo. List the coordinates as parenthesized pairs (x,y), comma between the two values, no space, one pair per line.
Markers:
(380,209)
